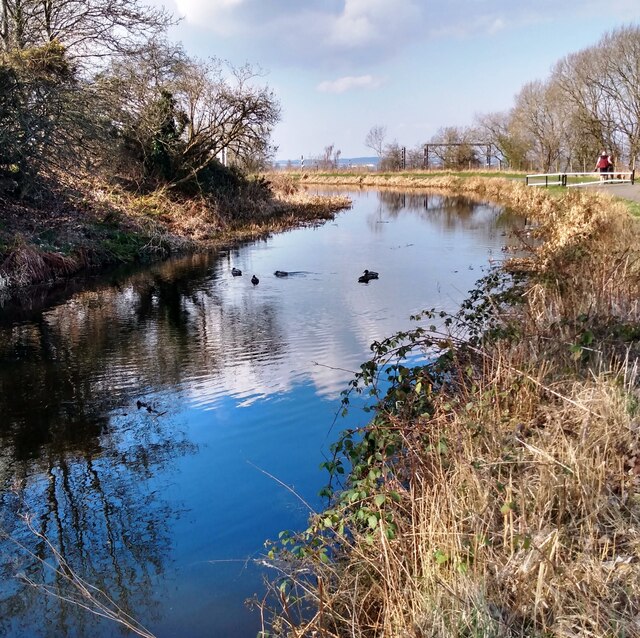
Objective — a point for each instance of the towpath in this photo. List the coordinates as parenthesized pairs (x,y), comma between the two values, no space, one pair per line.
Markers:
(626,191)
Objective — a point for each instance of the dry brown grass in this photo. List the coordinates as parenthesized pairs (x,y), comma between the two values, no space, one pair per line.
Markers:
(207,222)
(519,488)
(26,264)
(101,224)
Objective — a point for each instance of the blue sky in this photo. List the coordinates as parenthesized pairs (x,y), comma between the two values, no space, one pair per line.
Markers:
(340,67)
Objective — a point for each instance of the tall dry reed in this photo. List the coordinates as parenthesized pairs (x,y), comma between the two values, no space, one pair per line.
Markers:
(503,494)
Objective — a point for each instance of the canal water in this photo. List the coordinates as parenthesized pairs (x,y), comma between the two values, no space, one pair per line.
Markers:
(149,423)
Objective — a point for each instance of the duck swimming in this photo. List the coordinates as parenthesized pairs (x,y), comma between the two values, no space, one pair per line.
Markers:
(254,280)
(367,276)
(281,273)
(236,272)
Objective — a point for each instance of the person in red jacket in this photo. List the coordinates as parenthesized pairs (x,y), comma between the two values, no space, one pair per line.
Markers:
(602,164)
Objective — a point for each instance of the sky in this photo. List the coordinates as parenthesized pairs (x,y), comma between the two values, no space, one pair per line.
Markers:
(340,67)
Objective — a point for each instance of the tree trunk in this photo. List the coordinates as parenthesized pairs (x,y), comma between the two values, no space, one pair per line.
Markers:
(4,28)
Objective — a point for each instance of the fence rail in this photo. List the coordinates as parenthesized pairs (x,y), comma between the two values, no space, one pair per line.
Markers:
(580,179)
(547,179)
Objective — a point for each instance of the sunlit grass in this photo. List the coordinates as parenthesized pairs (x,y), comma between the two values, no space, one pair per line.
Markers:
(420,174)
(632,207)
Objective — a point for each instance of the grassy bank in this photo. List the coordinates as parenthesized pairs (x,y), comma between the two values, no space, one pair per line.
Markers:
(496,491)
(54,236)
(404,179)
(354,174)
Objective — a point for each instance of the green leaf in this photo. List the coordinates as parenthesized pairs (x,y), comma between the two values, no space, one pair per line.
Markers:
(507,507)
(379,499)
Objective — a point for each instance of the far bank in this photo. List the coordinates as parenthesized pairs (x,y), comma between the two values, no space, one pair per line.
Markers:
(48,238)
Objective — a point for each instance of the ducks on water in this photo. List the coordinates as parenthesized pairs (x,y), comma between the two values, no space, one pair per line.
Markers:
(367,276)
(236,272)
(254,280)
(281,273)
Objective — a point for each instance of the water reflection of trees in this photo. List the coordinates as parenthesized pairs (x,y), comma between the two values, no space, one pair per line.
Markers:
(449,212)
(79,456)
(91,497)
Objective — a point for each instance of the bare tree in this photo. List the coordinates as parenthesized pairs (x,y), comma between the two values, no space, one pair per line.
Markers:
(539,119)
(620,81)
(456,148)
(498,129)
(375,139)
(48,49)
(415,157)
(47,115)
(187,113)
(591,111)
(327,155)
(226,111)
(86,28)
(391,159)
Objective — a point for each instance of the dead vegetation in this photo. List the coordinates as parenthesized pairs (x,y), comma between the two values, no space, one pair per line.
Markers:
(496,492)
(94,224)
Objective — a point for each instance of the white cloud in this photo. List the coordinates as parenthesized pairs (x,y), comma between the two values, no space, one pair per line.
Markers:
(315,30)
(368,22)
(349,82)
(348,33)
(496,26)
(216,15)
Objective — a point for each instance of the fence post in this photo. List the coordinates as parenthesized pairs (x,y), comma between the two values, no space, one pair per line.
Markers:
(564,179)
(633,176)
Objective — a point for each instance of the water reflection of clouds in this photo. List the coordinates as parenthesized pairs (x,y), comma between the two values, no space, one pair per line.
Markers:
(326,322)
(321,358)
(190,325)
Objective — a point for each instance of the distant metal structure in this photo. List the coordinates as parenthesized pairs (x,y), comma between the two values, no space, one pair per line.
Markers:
(487,146)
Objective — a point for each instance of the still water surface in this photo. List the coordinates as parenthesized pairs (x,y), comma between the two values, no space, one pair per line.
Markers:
(165,509)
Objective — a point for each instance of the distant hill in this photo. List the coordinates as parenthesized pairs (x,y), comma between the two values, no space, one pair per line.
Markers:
(343,162)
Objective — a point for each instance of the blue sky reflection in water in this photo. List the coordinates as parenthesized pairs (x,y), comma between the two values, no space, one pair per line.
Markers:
(164,508)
